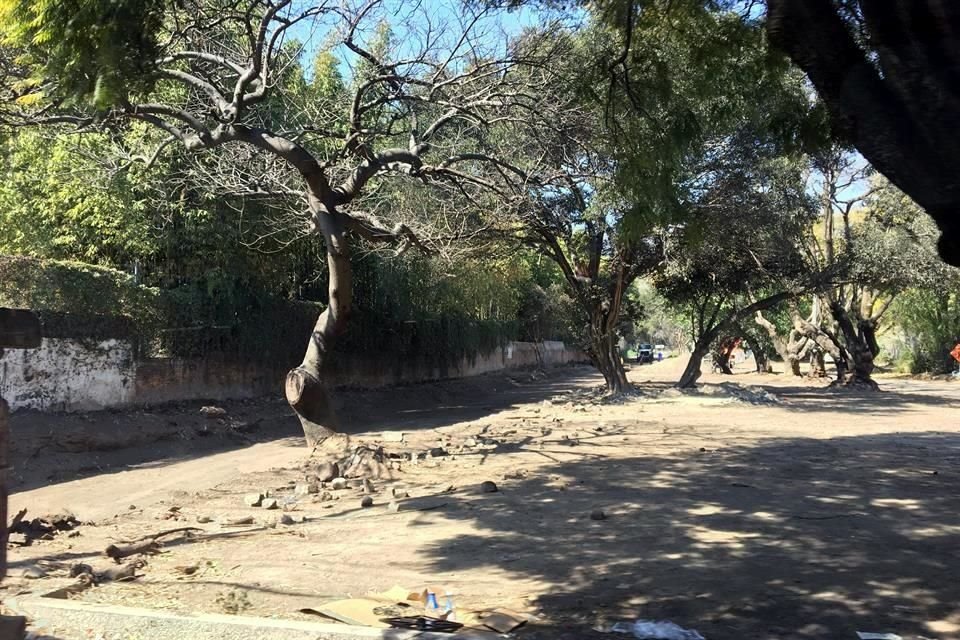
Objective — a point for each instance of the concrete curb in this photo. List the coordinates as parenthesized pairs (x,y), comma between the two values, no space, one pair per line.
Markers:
(88,620)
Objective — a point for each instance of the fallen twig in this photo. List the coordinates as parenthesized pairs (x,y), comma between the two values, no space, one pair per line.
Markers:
(87,577)
(147,545)
(164,534)
(118,552)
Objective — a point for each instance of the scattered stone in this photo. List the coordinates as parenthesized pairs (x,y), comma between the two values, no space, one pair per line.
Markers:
(470,442)
(393,507)
(18,539)
(132,507)
(339,483)
(237,522)
(368,486)
(213,412)
(327,471)
(437,452)
(287,519)
(34,573)
(269,503)
(326,495)
(204,519)
(598,514)
(488,486)
(253,499)
(357,483)
(305,488)
(399,492)
(366,502)
(188,570)
(393,436)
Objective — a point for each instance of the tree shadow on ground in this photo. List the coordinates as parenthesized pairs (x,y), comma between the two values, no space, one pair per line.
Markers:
(883,402)
(791,538)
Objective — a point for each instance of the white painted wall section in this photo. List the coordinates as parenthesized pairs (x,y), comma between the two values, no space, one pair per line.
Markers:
(68,375)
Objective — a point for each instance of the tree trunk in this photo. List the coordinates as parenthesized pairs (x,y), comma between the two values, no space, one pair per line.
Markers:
(722,355)
(606,356)
(903,118)
(788,350)
(692,372)
(306,390)
(760,359)
(818,367)
(859,347)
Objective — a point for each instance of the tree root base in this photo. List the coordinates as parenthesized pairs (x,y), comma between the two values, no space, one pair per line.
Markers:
(855,384)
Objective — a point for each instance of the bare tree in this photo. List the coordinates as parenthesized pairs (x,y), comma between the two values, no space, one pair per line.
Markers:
(222,84)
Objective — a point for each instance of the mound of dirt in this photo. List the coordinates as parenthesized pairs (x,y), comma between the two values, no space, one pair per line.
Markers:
(748,393)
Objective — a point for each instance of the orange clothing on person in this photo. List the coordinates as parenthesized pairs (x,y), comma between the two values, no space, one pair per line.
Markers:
(956,352)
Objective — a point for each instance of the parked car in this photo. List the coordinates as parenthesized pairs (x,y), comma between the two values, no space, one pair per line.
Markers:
(645,353)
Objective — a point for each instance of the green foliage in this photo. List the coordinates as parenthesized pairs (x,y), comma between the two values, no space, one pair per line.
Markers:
(694,74)
(57,202)
(99,51)
(399,314)
(55,285)
(930,320)
(895,249)
(744,238)
(660,323)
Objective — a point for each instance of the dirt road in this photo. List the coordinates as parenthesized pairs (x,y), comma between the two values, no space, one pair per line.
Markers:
(783,512)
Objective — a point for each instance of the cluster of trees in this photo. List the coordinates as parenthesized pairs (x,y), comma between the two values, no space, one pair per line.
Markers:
(618,142)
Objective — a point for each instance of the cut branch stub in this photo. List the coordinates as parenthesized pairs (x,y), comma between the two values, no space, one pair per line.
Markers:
(308,397)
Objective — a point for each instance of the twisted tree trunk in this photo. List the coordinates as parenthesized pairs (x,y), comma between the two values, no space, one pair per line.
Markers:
(860,340)
(692,372)
(606,354)
(306,391)
(760,359)
(605,349)
(818,366)
(788,349)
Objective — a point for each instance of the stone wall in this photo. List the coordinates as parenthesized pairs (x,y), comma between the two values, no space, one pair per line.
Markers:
(84,375)
(69,375)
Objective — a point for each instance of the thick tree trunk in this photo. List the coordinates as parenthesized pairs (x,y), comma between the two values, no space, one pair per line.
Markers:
(859,346)
(903,118)
(306,390)
(606,356)
(818,366)
(692,372)
(788,350)
(760,359)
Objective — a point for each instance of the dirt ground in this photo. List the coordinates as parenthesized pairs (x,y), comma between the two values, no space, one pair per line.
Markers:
(767,508)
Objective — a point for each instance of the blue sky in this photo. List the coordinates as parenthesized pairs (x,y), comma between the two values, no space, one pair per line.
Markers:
(408,21)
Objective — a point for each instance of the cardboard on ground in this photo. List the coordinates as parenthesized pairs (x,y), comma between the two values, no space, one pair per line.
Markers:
(361,611)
